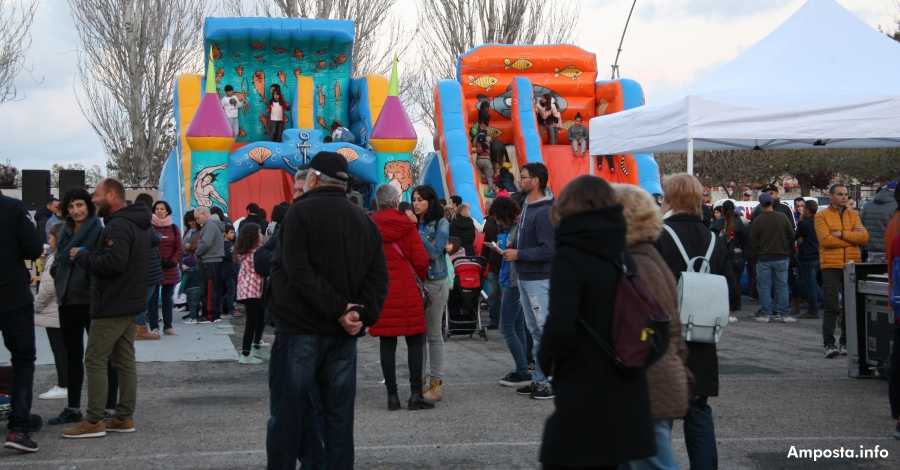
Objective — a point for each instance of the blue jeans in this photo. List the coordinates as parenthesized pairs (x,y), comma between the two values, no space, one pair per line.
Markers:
(700,435)
(492,289)
(809,284)
(512,325)
(535,298)
(773,275)
(141,318)
(665,456)
(312,386)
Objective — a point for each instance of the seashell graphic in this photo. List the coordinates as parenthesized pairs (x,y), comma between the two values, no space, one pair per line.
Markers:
(260,154)
(348,153)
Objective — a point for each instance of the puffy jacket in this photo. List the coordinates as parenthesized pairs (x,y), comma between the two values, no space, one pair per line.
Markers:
(835,252)
(46,311)
(403,313)
(875,217)
(118,264)
(170,251)
(154,267)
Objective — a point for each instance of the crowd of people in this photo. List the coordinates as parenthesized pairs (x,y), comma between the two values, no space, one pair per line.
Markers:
(389,273)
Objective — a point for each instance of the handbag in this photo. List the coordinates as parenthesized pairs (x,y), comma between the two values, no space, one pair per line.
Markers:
(420,284)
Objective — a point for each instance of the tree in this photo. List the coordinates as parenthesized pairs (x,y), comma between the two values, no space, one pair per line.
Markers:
(131,54)
(16,18)
(379,34)
(9,175)
(455,26)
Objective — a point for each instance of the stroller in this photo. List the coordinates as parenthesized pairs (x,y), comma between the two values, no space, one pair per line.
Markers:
(464,307)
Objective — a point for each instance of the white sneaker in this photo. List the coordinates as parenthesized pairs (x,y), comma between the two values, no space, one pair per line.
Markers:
(55,393)
(790,319)
(733,319)
(249,360)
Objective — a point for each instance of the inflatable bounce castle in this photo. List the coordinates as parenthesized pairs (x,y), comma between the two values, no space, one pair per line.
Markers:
(310,62)
(509,78)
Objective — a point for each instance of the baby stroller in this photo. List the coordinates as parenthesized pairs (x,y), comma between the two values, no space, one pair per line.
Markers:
(463,316)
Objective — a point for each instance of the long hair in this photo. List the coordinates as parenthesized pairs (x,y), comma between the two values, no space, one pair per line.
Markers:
(77,194)
(435,212)
(248,239)
(728,215)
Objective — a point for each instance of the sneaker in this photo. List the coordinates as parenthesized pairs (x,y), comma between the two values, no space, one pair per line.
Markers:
(217,319)
(261,353)
(85,429)
(789,319)
(762,318)
(191,321)
(249,360)
(55,393)
(262,344)
(776,319)
(531,366)
(20,441)
(68,416)
(842,350)
(115,424)
(542,392)
(203,321)
(831,352)
(526,390)
(733,319)
(514,379)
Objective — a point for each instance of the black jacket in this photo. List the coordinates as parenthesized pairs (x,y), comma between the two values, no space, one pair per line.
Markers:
(119,263)
(809,241)
(330,255)
(602,417)
(41,216)
(19,241)
(154,266)
(703,360)
(490,235)
(72,281)
(464,228)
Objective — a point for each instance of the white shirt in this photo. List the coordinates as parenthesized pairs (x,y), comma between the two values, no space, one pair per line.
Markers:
(277,112)
(230,105)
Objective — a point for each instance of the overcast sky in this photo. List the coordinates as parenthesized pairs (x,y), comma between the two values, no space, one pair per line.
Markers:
(669,44)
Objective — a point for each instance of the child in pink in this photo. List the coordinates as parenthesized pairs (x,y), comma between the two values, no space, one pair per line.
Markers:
(249,293)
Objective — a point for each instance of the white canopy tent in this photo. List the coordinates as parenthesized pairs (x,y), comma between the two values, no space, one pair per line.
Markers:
(822,79)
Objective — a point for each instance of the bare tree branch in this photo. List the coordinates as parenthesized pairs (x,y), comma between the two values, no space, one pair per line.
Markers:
(16,18)
(455,26)
(131,54)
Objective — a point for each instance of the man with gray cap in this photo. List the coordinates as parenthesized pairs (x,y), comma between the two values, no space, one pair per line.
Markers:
(330,282)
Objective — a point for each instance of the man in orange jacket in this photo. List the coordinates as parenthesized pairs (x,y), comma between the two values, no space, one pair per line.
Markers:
(840,234)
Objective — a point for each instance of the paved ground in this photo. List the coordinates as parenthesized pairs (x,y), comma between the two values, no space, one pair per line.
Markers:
(777,392)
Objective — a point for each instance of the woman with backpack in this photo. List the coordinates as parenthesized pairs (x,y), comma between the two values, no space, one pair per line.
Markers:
(170,251)
(602,416)
(403,313)
(668,376)
(683,199)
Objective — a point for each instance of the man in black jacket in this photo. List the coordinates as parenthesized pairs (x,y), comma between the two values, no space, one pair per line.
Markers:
(462,226)
(329,283)
(118,266)
(20,242)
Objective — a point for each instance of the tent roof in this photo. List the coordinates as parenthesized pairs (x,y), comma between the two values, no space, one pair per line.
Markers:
(822,77)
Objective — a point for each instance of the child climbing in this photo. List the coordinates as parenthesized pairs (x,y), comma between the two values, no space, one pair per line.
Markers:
(231,104)
(578,137)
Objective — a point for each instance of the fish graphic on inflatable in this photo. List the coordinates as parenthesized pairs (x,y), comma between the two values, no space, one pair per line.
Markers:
(321,65)
(216,52)
(297,73)
(337,91)
(279,50)
(282,77)
(340,60)
(298,53)
(321,95)
(259,83)
(570,71)
(521,64)
(484,81)
(257,45)
(239,70)
(220,72)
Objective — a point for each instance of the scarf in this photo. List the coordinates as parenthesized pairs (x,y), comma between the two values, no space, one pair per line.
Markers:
(164,222)
(86,236)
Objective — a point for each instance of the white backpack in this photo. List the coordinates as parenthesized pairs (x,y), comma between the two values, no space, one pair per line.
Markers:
(702,297)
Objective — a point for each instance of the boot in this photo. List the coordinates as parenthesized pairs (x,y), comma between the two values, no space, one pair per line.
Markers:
(418,402)
(143,333)
(393,401)
(435,390)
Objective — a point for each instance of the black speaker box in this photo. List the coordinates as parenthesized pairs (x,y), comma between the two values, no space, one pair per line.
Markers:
(70,179)
(35,188)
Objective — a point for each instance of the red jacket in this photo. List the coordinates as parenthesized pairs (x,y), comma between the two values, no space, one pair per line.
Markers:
(170,250)
(403,313)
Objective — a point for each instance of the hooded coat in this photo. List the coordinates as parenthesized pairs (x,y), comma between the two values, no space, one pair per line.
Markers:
(876,215)
(602,417)
(403,313)
(119,264)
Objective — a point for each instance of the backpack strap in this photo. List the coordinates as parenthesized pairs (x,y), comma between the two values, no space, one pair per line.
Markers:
(684,255)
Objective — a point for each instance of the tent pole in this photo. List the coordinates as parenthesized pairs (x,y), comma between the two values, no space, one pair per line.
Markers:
(690,156)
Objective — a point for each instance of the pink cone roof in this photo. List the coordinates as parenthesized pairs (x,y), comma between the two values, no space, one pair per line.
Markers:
(393,122)
(209,121)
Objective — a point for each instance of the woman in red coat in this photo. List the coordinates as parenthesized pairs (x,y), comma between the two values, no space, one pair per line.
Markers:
(403,313)
(170,250)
